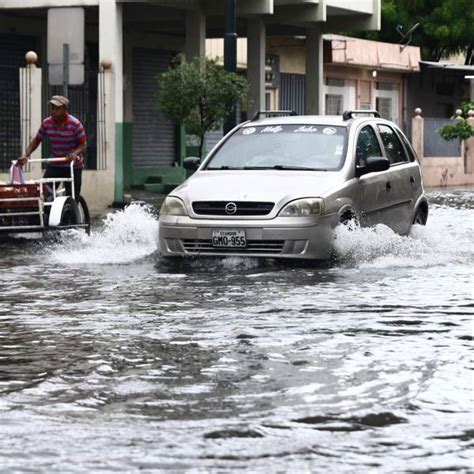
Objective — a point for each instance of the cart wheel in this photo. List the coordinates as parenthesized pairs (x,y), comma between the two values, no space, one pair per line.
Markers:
(70,214)
(84,214)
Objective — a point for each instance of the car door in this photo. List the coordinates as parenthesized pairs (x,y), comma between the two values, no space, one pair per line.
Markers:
(401,181)
(415,177)
(372,196)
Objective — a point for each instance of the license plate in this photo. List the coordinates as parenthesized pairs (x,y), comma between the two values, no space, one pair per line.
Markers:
(229,238)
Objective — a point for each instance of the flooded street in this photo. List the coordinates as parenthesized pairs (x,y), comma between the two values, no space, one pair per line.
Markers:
(113,360)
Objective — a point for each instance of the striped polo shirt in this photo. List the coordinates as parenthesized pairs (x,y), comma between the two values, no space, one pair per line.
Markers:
(63,140)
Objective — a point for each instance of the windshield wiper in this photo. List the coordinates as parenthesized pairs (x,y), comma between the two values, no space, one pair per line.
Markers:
(282,167)
(303,168)
(274,167)
(224,167)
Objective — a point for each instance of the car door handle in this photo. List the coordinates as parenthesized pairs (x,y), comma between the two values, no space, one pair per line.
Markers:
(388,185)
(412,180)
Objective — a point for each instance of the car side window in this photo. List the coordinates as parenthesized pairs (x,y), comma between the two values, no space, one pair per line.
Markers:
(408,147)
(392,144)
(367,145)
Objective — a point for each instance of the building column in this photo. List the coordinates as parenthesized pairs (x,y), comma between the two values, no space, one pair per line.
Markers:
(30,109)
(256,64)
(314,72)
(417,134)
(195,41)
(111,50)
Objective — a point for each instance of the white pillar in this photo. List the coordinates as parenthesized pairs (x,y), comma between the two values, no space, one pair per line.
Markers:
(30,109)
(195,41)
(314,71)
(256,64)
(111,48)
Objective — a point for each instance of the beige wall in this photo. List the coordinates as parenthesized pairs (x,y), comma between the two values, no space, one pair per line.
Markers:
(443,171)
(291,53)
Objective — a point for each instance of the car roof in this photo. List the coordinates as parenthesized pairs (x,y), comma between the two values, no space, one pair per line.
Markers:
(330,120)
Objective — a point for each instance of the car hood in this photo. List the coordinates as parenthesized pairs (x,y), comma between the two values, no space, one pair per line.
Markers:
(271,186)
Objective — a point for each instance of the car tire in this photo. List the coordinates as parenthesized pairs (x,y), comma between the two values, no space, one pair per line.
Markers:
(349,219)
(421,216)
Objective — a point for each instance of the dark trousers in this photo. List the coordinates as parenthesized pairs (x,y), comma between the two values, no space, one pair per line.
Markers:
(65,172)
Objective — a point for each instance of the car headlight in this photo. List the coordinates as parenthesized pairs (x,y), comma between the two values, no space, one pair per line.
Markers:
(303,207)
(173,206)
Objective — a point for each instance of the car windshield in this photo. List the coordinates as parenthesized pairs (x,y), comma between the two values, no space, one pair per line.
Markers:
(284,147)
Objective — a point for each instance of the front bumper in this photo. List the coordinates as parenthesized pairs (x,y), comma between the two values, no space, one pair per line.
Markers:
(304,238)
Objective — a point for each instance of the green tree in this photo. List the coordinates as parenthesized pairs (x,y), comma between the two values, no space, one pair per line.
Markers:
(200,95)
(461,129)
(446,26)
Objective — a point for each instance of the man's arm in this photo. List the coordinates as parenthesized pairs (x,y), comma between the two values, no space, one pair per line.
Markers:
(29,150)
(81,139)
(74,154)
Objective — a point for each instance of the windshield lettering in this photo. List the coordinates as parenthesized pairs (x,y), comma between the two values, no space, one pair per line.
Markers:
(305,147)
(306,129)
(276,129)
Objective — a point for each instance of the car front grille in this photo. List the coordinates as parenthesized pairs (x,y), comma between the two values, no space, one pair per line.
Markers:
(243,208)
(196,246)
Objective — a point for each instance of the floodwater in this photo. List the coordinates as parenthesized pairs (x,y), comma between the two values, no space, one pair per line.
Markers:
(114,361)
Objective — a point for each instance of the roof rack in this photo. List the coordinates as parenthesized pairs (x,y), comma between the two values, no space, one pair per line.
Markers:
(348,114)
(272,113)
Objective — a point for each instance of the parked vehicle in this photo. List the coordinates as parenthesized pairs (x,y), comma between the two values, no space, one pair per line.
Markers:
(278,186)
(40,205)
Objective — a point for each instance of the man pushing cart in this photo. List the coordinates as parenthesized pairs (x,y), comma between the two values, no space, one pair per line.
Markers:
(53,202)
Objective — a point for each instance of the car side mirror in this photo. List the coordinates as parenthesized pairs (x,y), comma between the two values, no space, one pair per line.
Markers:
(372,164)
(191,163)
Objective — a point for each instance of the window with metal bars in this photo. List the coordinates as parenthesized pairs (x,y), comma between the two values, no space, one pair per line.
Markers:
(12,53)
(334,104)
(83,105)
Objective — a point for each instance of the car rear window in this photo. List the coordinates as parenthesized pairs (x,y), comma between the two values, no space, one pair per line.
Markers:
(311,147)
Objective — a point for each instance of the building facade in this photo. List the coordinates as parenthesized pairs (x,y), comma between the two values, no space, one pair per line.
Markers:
(127,45)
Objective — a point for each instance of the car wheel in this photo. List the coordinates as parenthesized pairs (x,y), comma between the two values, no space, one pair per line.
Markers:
(421,216)
(349,219)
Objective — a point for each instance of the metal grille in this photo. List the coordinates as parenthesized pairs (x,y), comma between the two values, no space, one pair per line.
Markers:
(384,107)
(217,208)
(195,246)
(83,104)
(385,86)
(335,82)
(292,92)
(153,135)
(434,144)
(334,103)
(12,57)
(365,93)
(10,134)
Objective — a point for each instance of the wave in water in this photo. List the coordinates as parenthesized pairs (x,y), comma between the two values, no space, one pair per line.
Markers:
(126,236)
(132,234)
(443,240)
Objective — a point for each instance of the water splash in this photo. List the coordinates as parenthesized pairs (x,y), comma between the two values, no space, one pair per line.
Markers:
(126,236)
(132,234)
(439,243)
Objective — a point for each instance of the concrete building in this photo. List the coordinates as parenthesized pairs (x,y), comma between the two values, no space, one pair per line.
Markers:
(127,44)
(357,74)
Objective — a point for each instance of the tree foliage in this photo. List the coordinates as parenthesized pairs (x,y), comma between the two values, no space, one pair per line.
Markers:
(461,129)
(200,95)
(446,26)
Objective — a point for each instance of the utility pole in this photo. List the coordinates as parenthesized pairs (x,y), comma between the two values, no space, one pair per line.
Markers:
(230,53)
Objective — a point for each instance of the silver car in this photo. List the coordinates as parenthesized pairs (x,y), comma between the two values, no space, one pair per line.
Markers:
(278,186)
